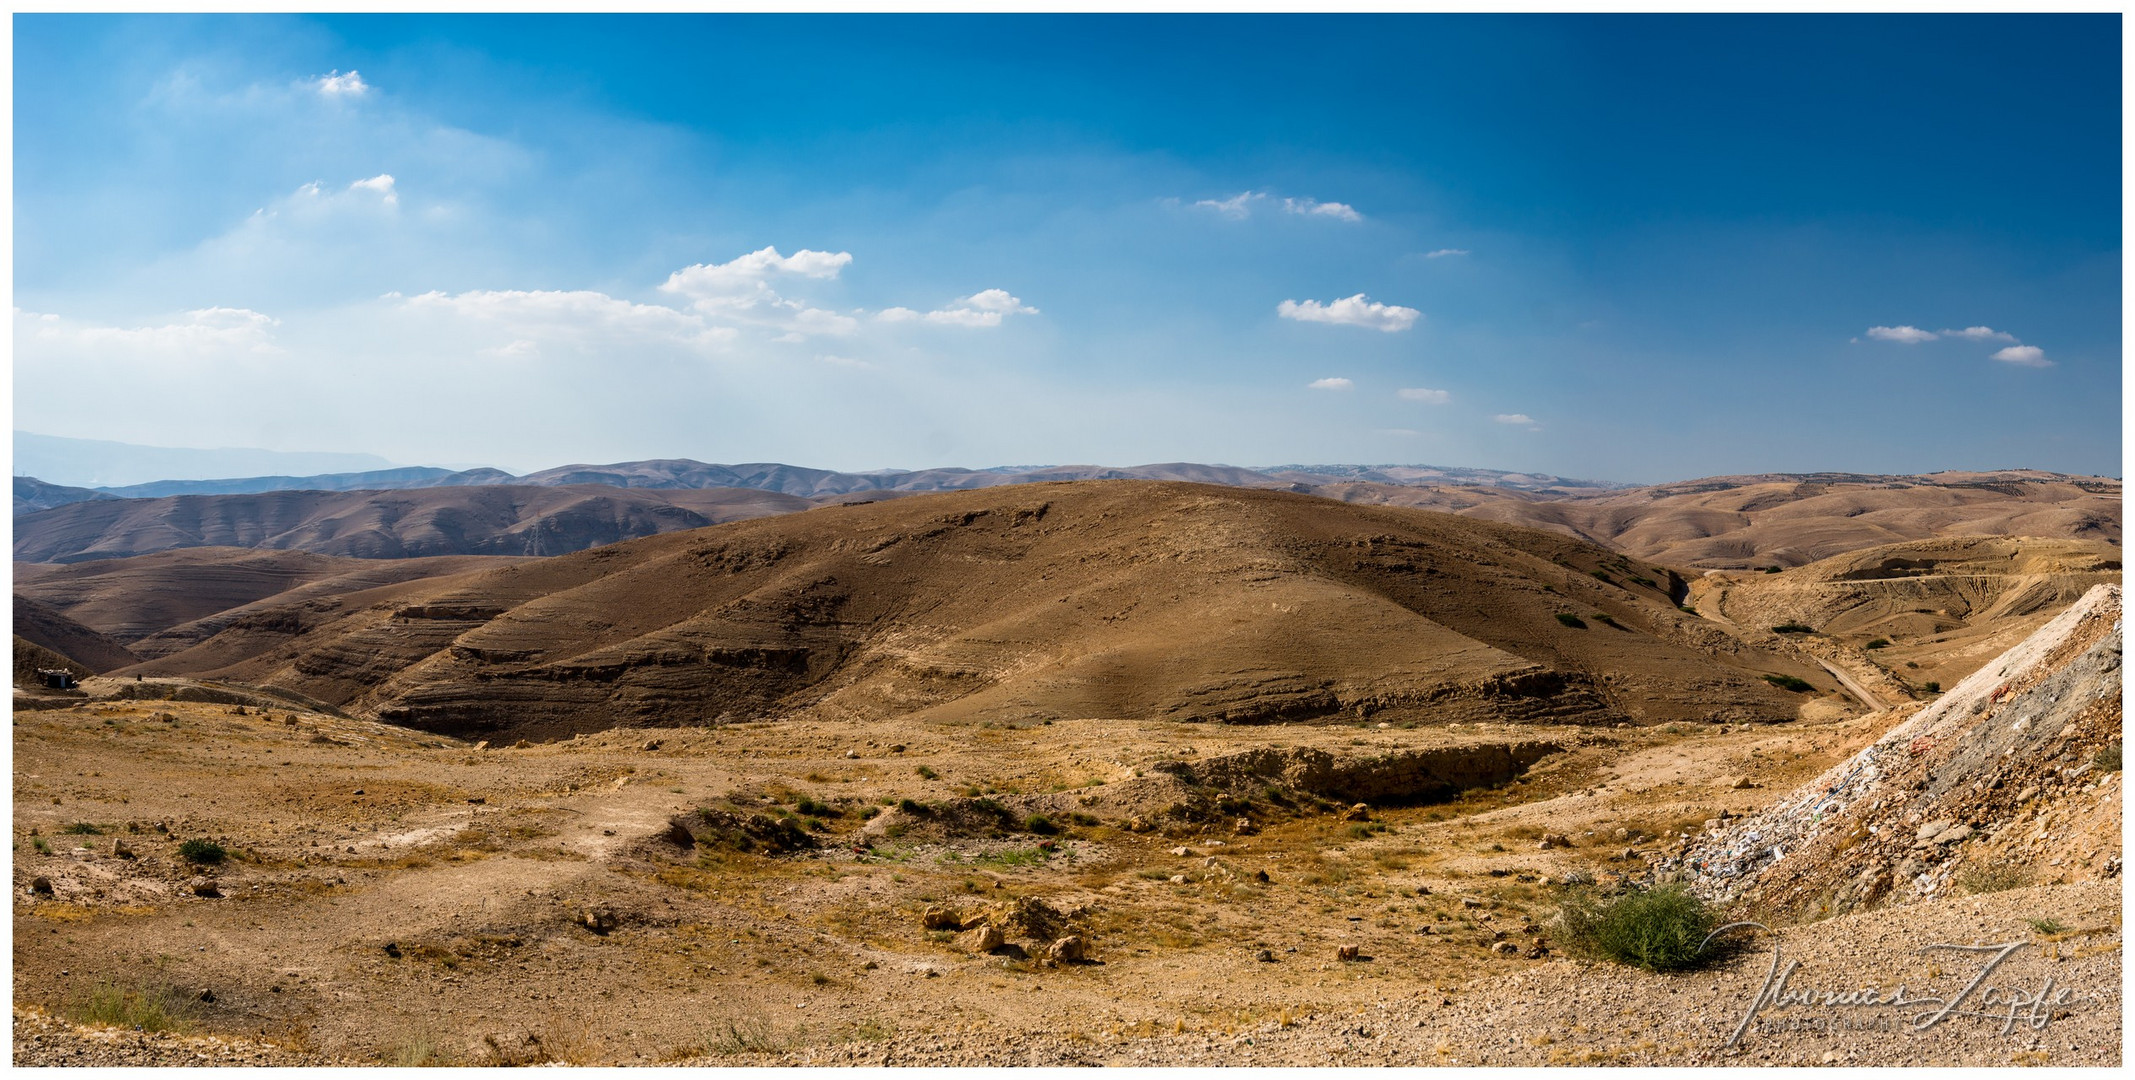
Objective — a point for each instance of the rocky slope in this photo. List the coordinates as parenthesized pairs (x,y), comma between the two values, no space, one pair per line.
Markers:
(2010,778)
(1019,605)
(484,520)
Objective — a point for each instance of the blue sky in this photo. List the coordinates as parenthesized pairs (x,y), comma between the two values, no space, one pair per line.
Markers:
(1629,248)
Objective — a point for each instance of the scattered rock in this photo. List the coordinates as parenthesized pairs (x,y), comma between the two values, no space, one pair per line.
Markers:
(982,939)
(483,745)
(897,748)
(1183,852)
(1180,879)
(1347,952)
(478,801)
(1741,783)
(1357,812)
(511,1048)
(120,848)
(1506,948)
(600,920)
(204,887)
(1244,827)
(1470,902)
(1139,824)
(852,755)
(392,949)
(1932,829)
(650,745)
(1261,876)
(1554,840)
(1952,836)
(1265,956)
(1069,948)
(41,885)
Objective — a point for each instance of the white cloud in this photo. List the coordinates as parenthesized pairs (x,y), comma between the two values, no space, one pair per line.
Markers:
(985,308)
(1338,211)
(1330,384)
(205,331)
(1980,333)
(1236,207)
(381,183)
(337,85)
(1906,335)
(2024,356)
(747,273)
(1443,252)
(843,361)
(1351,311)
(1519,419)
(738,291)
(1428,397)
(579,315)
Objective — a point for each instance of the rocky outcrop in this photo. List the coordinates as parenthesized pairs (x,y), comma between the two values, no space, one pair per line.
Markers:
(2011,778)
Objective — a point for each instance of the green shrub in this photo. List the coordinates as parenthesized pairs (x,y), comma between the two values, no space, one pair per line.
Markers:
(1933,687)
(812,808)
(82,828)
(202,851)
(145,1008)
(1084,820)
(1599,576)
(1571,620)
(1606,620)
(1789,682)
(911,806)
(1793,628)
(1040,824)
(2048,926)
(1660,929)
(1771,569)
(2107,758)
(1879,643)
(926,773)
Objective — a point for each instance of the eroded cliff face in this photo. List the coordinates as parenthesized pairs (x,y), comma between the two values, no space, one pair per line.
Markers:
(2011,778)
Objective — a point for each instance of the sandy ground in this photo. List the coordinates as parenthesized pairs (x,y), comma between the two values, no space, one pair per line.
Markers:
(480,869)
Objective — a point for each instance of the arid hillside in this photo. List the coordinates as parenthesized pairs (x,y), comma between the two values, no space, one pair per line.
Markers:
(1717,522)
(48,628)
(492,520)
(2010,779)
(1023,605)
(1912,614)
(162,603)
(1738,522)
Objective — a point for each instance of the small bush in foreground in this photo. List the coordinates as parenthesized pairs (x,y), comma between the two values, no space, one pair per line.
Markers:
(1789,682)
(1879,643)
(1660,929)
(1573,621)
(202,851)
(142,1008)
(2108,758)
(82,828)
(1792,628)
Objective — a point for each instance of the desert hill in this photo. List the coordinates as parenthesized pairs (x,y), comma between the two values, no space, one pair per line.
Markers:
(482,520)
(2010,779)
(47,628)
(1022,605)
(161,603)
(1716,522)
(1737,522)
(32,495)
(1925,611)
